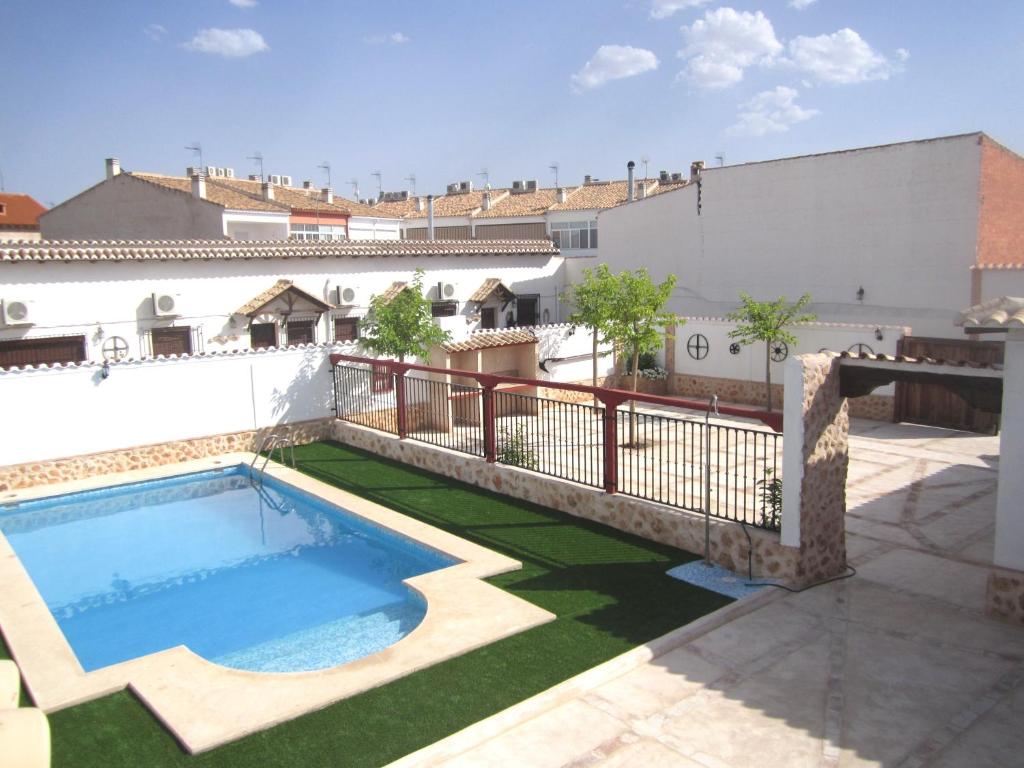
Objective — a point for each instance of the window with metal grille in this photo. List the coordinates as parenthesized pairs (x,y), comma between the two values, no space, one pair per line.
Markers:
(176,340)
(488,317)
(346,328)
(263,335)
(47,351)
(301,331)
(444,308)
(526,310)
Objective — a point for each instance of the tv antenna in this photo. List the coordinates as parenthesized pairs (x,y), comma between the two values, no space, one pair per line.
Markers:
(326,168)
(257,157)
(197,149)
(487,177)
(645,160)
(554,169)
(720,157)
(411,178)
(355,188)
(380,185)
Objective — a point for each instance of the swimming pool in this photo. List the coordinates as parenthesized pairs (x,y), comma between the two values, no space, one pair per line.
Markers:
(259,577)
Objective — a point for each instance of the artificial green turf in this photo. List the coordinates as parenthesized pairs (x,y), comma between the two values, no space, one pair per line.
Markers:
(608,589)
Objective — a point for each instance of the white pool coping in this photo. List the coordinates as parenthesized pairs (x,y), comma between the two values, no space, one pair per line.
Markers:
(206,705)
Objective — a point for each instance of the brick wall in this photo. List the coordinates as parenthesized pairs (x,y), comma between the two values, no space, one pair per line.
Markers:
(1000,222)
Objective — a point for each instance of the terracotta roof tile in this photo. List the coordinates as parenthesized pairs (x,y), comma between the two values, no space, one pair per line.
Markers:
(218,195)
(19,212)
(1004,312)
(880,358)
(398,209)
(259,301)
(524,204)
(488,287)
(176,250)
(608,194)
(393,291)
(490,339)
(296,198)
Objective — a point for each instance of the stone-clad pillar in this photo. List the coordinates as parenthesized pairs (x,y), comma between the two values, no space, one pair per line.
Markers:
(815,462)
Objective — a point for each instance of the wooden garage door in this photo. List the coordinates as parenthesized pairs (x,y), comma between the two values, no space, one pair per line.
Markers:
(935,405)
(56,349)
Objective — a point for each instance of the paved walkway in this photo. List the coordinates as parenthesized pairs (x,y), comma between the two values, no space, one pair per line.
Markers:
(894,667)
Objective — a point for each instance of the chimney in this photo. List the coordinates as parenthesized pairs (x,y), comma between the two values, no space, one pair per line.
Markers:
(629,181)
(113,167)
(641,189)
(198,186)
(696,168)
(487,200)
(430,217)
(327,194)
(267,191)
(419,205)
(586,179)
(561,195)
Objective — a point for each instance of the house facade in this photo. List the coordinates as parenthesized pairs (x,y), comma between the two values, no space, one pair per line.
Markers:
(19,217)
(133,205)
(115,300)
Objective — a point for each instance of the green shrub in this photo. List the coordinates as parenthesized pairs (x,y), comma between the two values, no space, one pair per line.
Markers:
(512,449)
(771,500)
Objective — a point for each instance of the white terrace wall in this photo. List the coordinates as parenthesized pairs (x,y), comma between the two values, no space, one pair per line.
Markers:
(575,346)
(51,413)
(740,377)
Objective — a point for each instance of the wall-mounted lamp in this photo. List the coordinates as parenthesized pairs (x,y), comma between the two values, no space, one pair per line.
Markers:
(878,334)
(105,370)
(860,294)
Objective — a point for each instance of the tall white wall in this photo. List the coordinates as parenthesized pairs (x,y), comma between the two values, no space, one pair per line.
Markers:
(68,298)
(72,410)
(900,221)
(1009,538)
(995,283)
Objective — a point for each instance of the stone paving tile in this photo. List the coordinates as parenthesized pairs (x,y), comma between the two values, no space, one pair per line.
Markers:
(927,574)
(996,740)
(649,753)
(750,637)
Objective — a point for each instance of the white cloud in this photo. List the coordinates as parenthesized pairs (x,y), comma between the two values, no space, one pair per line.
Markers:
(229,43)
(244,3)
(398,38)
(613,62)
(902,54)
(155,32)
(724,43)
(801,4)
(770,112)
(662,9)
(840,58)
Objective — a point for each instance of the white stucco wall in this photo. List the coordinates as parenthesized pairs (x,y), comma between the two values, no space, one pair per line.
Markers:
(245,225)
(901,221)
(1009,538)
(67,298)
(72,410)
(369,228)
(1000,282)
(126,208)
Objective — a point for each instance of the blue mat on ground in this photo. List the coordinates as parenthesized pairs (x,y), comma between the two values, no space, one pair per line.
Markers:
(714,578)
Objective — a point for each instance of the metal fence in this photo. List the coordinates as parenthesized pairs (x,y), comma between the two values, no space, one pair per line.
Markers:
(688,463)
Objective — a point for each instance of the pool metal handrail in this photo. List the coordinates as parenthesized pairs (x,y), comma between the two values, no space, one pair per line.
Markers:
(268,444)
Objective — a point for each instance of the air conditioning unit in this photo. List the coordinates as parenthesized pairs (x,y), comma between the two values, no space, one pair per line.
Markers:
(663,176)
(211,170)
(286,181)
(274,179)
(229,173)
(519,186)
(254,177)
(445,291)
(15,312)
(531,185)
(164,305)
(453,189)
(193,170)
(345,296)
(465,186)
(677,177)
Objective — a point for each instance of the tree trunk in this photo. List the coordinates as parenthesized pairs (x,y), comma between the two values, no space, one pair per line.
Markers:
(768,373)
(594,377)
(632,403)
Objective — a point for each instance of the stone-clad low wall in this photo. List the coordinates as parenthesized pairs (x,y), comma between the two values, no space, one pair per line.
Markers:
(675,527)
(877,407)
(16,476)
(1004,597)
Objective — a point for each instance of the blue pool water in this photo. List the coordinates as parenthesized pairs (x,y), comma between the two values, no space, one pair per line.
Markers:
(271,580)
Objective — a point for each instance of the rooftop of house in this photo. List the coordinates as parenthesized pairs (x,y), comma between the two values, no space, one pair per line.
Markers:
(19,211)
(509,203)
(177,250)
(1003,312)
(299,199)
(224,196)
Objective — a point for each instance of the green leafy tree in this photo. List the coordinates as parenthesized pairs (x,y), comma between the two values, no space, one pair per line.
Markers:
(638,320)
(404,326)
(593,301)
(767,321)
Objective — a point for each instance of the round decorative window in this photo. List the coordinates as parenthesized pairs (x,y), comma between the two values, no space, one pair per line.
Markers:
(779,351)
(861,349)
(697,346)
(115,348)
(734,348)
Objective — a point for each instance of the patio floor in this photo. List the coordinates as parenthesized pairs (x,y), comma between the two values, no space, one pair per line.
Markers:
(896,666)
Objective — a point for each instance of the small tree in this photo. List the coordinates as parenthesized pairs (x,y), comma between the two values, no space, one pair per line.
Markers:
(593,301)
(638,320)
(403,326)
(766,321)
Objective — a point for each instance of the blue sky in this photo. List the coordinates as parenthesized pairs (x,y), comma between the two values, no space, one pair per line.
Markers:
(443,91)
